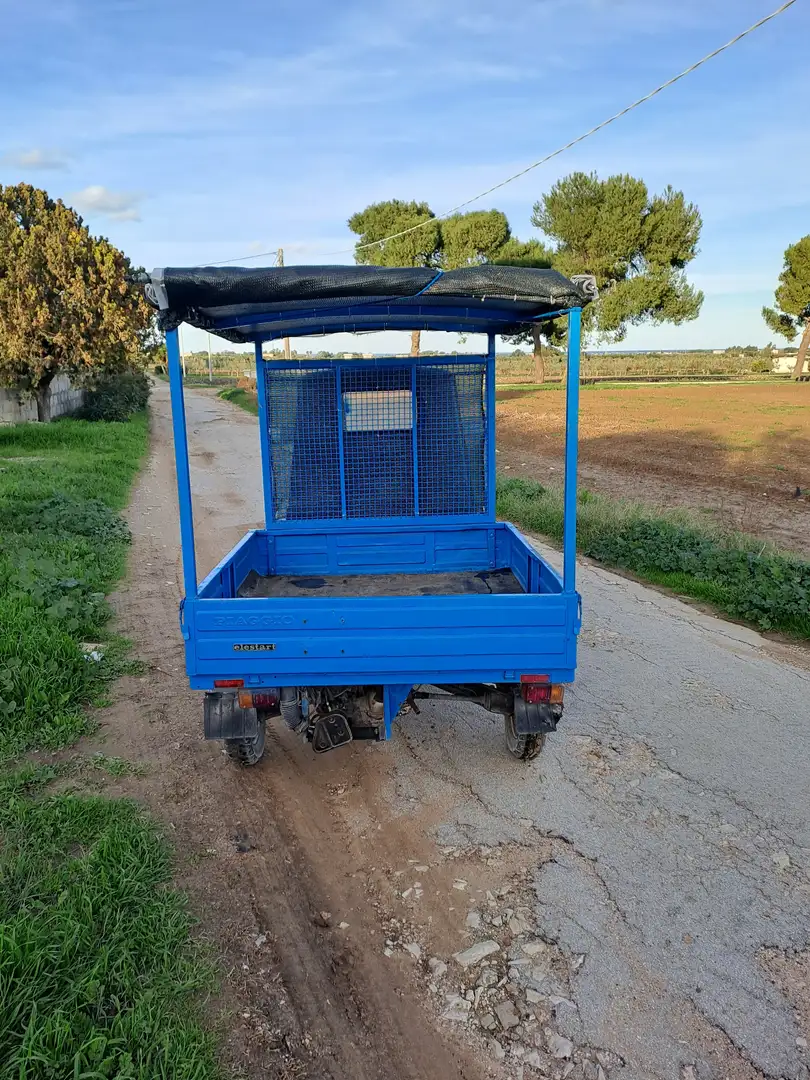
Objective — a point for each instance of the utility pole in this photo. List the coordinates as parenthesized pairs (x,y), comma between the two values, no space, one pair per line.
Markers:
(280,262)
(210,362)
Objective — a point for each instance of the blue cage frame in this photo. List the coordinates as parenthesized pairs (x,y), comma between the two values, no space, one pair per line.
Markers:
(562,618)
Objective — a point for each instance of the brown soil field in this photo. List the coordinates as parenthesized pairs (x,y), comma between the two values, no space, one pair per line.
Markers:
(736,451)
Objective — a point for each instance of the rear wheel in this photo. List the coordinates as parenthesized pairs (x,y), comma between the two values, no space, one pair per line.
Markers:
(524,747)
(247,751)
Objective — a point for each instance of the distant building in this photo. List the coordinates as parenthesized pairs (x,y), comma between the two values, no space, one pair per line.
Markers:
(783,365)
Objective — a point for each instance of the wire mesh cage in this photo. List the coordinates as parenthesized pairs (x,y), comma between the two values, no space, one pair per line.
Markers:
(359,440)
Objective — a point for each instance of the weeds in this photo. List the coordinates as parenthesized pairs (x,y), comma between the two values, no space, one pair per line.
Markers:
(245,399)
(737,574)
(115,766)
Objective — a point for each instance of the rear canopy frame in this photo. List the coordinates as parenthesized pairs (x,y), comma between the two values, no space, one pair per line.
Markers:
(250,305)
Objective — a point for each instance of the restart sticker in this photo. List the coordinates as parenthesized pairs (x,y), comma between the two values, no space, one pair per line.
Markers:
(253,647)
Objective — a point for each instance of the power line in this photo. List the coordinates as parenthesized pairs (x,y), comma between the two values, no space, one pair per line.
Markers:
(244,258)
(555,153)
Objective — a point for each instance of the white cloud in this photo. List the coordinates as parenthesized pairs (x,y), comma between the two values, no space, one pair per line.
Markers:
(35,158)
(117,205)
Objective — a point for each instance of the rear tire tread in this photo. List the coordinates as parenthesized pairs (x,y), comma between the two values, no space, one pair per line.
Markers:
(247,751)
(523,747)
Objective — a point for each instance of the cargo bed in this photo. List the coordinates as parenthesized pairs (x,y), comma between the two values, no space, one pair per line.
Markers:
(476,603)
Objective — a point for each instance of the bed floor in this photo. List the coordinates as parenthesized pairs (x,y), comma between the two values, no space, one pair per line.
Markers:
(464,582)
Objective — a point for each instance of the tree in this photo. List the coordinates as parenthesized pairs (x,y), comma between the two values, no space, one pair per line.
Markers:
(532,253)
(473,238)
(66,304)
(418,248)
(792,314)
(461,240)
(635,245)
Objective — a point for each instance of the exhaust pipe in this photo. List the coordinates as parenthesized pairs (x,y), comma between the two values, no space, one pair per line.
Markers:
(291,708)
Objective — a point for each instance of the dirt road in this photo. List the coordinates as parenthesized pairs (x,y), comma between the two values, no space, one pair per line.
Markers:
(647,882)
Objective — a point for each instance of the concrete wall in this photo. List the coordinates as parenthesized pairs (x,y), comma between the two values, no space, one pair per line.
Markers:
(16,407)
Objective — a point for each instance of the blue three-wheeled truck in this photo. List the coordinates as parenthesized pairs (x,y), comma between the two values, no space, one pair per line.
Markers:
(382,574)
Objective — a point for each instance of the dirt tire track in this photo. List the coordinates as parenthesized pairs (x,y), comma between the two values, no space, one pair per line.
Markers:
(263,851)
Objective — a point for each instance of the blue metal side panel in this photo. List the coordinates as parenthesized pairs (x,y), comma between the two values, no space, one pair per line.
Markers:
(382,640)
(251,553)
(380,551)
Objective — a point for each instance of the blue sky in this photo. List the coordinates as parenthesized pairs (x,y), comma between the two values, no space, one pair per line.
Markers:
(191,132)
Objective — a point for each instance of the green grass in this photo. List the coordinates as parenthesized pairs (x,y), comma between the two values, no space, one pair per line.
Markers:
(62,547)
(98,976)
(737,574)
(245,399)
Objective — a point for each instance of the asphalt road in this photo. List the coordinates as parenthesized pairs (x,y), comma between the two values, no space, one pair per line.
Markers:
(675,802)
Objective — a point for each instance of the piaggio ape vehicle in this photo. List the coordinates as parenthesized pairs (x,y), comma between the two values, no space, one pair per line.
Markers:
(382,574)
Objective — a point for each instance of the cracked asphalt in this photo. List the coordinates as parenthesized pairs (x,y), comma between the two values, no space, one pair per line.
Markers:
(676,795)
(678,788)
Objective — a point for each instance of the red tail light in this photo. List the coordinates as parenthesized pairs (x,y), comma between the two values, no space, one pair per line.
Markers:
(537,689)
(228,684)
(534,693)
(251,699)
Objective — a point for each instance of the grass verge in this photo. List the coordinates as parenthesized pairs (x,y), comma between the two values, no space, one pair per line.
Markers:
(62,547)
(737,574)
(245,399)
(98,974)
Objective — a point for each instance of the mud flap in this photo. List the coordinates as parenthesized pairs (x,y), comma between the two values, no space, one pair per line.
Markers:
(330,731)
(533,719)
(224,718)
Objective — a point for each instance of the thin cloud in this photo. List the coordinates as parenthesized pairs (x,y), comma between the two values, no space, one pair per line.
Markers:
(35,158)
(116,205)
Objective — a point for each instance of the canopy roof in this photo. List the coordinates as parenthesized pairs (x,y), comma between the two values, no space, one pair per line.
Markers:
(246,304)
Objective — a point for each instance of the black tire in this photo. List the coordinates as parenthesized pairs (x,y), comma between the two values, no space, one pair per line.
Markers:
(523,747)
(247,751)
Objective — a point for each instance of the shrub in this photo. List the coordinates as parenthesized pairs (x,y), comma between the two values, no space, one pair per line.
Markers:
(762,365)
(748,580)
(116,396)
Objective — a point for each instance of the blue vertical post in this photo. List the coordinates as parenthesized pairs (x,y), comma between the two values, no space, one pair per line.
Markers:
(264,435)
(181,463)
(341,459)
(571,439)
(414,441)
(489,440)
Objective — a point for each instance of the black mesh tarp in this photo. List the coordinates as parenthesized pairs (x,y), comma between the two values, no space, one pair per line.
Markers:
(301,300)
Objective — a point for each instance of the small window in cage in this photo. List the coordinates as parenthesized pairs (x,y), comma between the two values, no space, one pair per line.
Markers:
(378,410)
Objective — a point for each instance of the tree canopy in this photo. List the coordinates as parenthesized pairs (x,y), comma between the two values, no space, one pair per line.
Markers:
(636,246)
(460,240)
(473,238)
(66,305)
(418,248)
(792,313)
